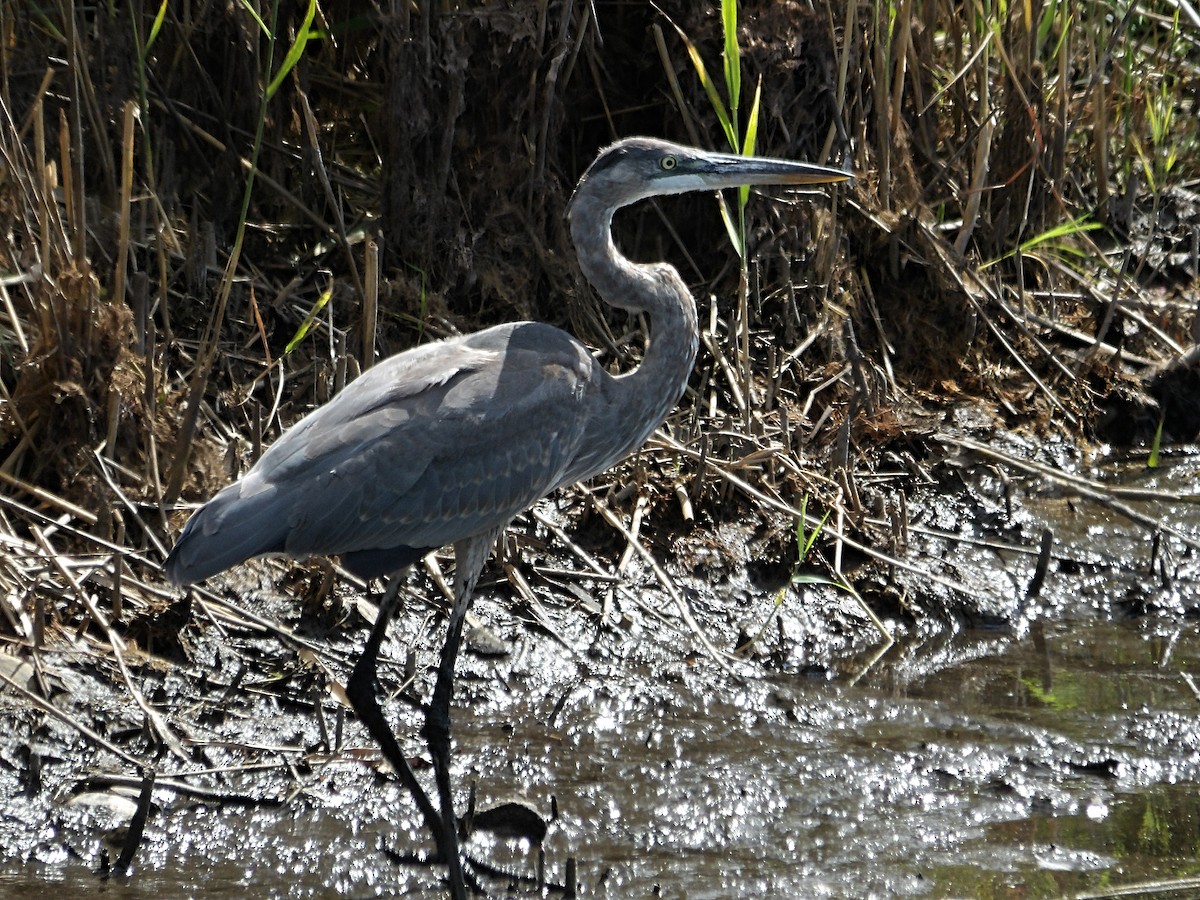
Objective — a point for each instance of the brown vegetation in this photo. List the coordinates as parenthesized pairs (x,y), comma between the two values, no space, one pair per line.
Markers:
(163,316)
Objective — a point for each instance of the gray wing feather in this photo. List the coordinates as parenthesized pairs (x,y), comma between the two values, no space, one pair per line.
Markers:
(456,459)
(427,448)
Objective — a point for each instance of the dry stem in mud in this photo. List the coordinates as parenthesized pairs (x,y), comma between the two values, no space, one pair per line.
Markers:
(1017,255)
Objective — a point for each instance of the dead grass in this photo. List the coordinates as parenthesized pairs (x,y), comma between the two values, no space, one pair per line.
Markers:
(136,364)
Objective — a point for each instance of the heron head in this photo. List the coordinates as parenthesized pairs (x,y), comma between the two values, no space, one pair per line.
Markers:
(636,168)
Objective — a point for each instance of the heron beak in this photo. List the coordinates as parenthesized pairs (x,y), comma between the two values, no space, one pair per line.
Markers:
(722,170)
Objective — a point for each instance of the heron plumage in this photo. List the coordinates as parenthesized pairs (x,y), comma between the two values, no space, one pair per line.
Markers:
(431,446)
(446,443)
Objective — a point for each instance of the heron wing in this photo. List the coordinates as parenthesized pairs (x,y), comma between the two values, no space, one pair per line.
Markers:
(429,447)
(480,430)
(258,514)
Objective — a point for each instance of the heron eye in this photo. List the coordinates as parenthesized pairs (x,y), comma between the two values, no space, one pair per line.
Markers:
(668,163)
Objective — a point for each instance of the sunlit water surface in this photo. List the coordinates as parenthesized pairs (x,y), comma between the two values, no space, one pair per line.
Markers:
(1052,760)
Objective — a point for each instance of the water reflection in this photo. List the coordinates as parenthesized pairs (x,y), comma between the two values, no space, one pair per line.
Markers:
(1034,758)
(1064,763)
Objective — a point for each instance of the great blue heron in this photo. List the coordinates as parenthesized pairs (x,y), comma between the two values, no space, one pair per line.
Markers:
(447,442)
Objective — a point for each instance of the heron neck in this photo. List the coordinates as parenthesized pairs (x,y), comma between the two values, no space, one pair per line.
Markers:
(648,393)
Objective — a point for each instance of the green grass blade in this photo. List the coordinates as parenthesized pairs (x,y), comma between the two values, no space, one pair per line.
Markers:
(1075,226)
(748,146)
(156,27)
(1156,447)
(733,64)
(811,578)
(295,51)
(307,324)
(249,7)
(731,226)
(807,546)
(714,96)
(751,139)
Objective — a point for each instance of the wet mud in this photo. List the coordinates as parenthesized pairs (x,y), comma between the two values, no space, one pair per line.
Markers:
(1048,748)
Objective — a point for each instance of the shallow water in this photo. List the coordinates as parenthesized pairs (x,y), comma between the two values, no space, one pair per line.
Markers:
(1034,759)
(1065,762)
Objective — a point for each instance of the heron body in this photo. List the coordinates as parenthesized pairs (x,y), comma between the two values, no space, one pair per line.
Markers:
(432,446)
(446,443)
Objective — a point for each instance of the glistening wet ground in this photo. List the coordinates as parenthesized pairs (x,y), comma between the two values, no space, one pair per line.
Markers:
(1042,757)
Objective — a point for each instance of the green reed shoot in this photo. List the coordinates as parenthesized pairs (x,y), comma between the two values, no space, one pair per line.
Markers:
(727,109)
(303,36)
(1156,447)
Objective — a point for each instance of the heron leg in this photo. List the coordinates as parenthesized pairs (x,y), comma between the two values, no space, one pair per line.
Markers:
(469,556)
(437,722)
(437,716)
(361,691)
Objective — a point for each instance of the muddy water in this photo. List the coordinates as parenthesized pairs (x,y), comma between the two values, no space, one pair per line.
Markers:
(1052,756)
(1049,768)
(1066,762)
